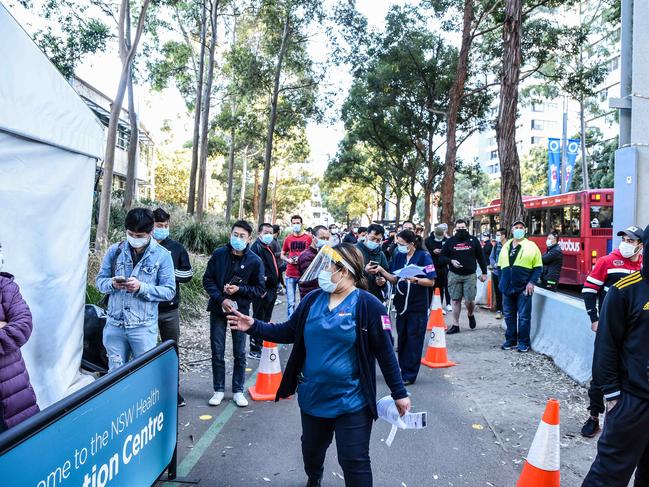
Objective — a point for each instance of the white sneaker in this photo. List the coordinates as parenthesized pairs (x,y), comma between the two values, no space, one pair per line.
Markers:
(449,307)
(216,399)
(240,400)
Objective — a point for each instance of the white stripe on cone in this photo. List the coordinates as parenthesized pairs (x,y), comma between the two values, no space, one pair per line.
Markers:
(437,338)
(437,302)
(269,363)
(544,452)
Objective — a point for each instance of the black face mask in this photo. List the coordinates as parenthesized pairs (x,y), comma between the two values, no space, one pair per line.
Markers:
(462,234)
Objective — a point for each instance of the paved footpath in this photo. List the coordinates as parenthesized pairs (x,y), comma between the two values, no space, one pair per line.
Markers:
(482,416)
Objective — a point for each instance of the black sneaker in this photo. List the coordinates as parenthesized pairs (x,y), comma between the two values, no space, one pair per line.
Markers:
(313,483)
(254,355)
(472,323)
(453,330)
(508,346)
(523,348)
(181,401)
(591,427)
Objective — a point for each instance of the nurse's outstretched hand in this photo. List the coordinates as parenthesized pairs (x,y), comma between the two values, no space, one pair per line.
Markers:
(240,322)
(403,405)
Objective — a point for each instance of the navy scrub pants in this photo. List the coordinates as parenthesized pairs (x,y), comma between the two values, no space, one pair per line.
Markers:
(411,332)
(353,433)
(623,446)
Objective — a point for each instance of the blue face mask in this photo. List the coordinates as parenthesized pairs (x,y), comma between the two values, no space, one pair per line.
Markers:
(325,282)
(267,238)
(403,249)
(371,245)
(297,228)
(160,233)
(237,243)
(321,243)
(518,233)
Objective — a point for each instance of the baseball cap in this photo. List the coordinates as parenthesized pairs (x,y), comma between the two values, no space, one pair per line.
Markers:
(633,232)
(519,222)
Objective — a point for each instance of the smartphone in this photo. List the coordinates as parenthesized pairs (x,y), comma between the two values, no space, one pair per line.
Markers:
(120,279)
(235,281)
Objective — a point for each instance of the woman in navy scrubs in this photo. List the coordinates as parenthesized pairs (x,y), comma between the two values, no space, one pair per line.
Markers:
(411,301)
(338,332)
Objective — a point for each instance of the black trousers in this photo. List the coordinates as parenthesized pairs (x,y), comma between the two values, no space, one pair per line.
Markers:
(596,397)
(499,294)
(623,447)
(352,442)
(441,283)
(262,309)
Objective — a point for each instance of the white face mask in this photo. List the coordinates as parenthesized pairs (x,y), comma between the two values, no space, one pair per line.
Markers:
(549,242)
(137,243)
(628,250)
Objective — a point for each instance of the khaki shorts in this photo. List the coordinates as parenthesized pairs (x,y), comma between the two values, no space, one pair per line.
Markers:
(462,286)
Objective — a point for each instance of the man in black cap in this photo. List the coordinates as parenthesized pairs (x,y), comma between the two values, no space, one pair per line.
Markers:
(620,366)
(607,271)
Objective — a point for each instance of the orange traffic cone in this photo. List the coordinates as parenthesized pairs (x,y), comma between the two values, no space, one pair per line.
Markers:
(269,375)
(436,357)
(542,465)
(436,316)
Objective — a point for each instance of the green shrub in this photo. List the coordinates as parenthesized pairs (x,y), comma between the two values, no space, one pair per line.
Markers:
(200,237)
(93,296)
(193,298)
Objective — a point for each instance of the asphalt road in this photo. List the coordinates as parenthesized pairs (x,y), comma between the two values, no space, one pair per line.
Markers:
(482,416)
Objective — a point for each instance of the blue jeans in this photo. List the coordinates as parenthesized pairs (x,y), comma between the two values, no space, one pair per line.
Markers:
(121,342)
(517,309)
(353,433)
(411,334)
(291,293)
(218,328)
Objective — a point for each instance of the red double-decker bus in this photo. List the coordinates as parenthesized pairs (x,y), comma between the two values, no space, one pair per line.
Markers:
(583,220)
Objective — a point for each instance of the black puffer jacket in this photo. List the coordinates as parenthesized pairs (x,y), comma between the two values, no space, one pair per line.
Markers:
(552,264)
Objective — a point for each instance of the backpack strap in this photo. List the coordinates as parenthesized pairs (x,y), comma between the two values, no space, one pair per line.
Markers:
(117,254)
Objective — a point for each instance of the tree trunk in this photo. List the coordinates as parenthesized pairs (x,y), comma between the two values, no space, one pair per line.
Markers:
(455,100)
(274,198)
(205,113)
(584,161)
(131,170)
(244,177)
(191,200)
(511,207)
(228,203)
(271,120)
(397,211)
(126,56)
(255,196)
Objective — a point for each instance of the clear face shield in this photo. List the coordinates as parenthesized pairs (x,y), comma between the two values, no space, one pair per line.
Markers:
(328,259)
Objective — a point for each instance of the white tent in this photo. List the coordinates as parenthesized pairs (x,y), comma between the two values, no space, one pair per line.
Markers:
(49,144)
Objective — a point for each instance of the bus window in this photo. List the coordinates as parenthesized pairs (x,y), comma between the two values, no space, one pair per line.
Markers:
(537,219)
(556,220)
(572,221)
(601,217)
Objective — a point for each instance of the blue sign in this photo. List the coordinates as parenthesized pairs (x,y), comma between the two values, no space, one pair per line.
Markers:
(572,150)
(123,435)
(554,167)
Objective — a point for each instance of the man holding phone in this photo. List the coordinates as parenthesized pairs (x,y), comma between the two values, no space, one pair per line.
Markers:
(233,278)
(520,264)
(136,274)
(374,258)
(296,243)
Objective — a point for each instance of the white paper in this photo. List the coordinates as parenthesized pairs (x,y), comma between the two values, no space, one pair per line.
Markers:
(410,271)
(387,411)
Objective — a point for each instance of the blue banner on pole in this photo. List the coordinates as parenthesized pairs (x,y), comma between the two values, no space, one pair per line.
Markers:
(554,166)
(123,434)
(573,149)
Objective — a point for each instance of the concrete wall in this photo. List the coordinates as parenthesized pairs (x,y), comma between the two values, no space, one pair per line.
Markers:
(561,330)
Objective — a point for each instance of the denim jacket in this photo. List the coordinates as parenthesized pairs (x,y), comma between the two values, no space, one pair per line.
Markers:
(155,271)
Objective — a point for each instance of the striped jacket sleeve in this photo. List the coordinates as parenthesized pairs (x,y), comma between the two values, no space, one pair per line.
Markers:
(184,271)
(593,286)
